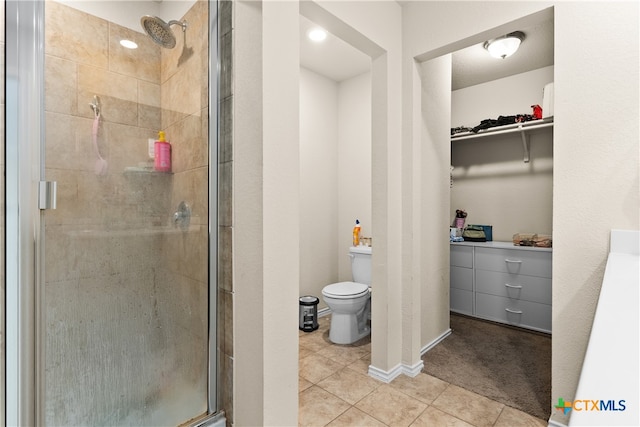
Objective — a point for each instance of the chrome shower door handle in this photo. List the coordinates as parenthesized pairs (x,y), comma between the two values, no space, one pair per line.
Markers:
(47,195)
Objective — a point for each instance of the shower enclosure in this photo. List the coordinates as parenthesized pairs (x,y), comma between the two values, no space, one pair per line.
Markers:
(110,263)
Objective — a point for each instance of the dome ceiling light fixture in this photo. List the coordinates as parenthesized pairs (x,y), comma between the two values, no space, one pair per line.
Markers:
(504,46)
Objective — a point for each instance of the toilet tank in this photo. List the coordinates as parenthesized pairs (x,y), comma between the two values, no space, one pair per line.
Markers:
(361,264)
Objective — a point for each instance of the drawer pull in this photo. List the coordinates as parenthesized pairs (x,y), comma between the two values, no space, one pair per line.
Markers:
(513,311)
(514,261)
(513,286)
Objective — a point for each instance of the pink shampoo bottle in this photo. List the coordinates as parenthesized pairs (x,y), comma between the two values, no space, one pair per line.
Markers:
(162,154)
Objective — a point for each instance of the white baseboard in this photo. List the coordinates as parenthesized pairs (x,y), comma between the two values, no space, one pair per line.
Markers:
(324,312)
(388,376)
(435,342)
(385,376)
(413,370)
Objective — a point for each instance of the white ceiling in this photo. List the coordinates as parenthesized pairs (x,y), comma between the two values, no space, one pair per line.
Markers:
(338,60)
(474,65)
(333,57)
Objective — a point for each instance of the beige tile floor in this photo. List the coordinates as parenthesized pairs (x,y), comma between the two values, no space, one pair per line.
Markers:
(335,390)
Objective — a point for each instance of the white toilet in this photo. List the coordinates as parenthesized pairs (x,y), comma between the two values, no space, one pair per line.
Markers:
(350,302)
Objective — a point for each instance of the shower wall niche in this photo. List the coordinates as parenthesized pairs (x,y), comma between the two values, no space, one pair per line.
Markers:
(126,291)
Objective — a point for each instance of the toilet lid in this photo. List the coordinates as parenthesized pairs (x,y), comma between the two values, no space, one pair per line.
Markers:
(345,289)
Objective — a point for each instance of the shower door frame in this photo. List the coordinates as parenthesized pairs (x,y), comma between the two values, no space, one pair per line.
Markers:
(24,242)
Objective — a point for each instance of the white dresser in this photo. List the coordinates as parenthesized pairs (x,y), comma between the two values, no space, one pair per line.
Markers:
(502,282)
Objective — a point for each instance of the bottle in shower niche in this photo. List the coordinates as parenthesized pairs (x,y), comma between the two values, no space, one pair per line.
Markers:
(162,154)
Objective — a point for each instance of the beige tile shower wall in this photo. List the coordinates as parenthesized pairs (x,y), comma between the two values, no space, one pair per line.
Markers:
(184,257)
(138,313)
(77,68)
(225,215)
(183,274)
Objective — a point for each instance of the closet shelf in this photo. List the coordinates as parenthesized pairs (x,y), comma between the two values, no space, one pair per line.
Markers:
(524,128)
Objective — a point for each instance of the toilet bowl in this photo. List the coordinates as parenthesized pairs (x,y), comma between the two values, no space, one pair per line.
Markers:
(350,302)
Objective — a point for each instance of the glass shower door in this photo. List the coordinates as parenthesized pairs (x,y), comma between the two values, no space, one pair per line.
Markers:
(126,251)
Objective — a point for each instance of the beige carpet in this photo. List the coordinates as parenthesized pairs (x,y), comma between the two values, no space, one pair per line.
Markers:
(509,365)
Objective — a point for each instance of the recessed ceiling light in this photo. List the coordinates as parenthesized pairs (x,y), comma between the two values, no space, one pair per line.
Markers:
(129,44)
(317,34)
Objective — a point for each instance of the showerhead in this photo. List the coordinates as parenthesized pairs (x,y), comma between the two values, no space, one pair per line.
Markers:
(160,31)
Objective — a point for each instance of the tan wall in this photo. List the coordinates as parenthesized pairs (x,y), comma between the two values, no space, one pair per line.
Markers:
(247,230)
(122,283)
(596,168)
(354,166)
(319,207)
(432,189)
(335,176)
(266,212)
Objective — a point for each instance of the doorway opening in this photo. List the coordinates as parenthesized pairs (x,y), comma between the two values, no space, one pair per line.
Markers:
(493,178)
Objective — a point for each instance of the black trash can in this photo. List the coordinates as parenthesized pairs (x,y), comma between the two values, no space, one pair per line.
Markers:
(308,313)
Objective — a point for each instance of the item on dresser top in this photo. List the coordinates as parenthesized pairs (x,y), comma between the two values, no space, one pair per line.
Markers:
(455,235)
(542,241)
(460,218)
(532,239)
(453,232)
(488,230)
(474,233)
(523,239)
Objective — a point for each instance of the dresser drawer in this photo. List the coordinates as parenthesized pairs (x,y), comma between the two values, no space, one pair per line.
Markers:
(461,301)
(462,256)
(526,314)
(461,278)
(514,286)
(514,261)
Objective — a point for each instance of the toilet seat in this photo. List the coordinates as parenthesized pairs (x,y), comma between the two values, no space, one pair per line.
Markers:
(345,290)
